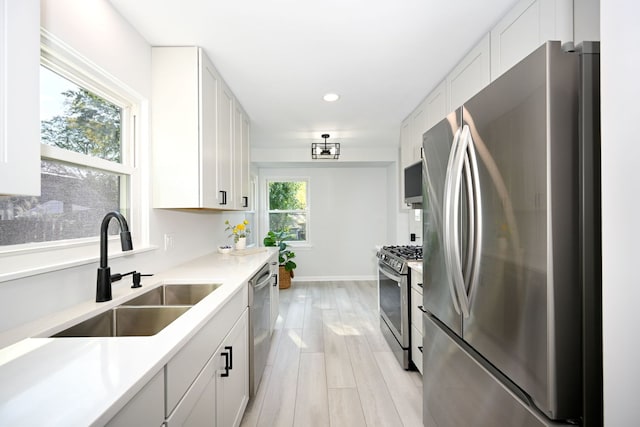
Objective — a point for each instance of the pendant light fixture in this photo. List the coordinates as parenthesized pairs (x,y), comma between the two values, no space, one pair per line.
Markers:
(325,150)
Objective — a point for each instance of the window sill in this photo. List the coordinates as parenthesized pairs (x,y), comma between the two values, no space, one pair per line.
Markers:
(36,265)
(305,245)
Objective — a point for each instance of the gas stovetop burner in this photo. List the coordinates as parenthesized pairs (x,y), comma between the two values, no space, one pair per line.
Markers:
(397,257)
(407,252)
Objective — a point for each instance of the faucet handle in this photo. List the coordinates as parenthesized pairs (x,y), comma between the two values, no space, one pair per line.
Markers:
(136,279)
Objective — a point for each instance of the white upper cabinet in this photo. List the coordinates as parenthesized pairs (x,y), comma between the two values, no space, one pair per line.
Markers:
(471,74)
(208,125)
(529,24)
(225,147)
(406,153)
(241,158)
(20,97)
(436,105)
(419,126)
(193,133)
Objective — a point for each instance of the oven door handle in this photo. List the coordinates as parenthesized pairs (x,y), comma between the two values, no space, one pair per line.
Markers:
(390,275)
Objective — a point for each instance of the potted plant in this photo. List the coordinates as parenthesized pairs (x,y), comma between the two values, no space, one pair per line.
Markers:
(239,233)
(285,256)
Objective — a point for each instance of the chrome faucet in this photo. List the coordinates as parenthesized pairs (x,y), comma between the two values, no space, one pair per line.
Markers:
(103,288)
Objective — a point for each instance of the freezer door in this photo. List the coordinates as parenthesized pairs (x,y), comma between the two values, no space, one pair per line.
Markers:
(438,294)
(461,392)
(525,311)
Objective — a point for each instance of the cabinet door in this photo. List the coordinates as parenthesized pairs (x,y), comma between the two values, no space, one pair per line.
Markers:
(275,293)
(245,186)
(241,157)
(419,126)
(525,27)
(209,92)
(198,407)
(176,117)
(20,97)
(406,155)
(436,105)
(146,408)
(232,377)
(224,147)
(470,75)
(416,346)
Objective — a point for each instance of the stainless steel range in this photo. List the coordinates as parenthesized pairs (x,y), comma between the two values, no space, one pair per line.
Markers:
(393,285)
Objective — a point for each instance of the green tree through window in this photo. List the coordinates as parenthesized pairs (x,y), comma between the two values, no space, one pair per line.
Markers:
(288,208)
(89,125)
(74,196)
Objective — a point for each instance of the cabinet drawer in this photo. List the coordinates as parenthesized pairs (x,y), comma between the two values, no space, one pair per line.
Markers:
(416,280)
(416,313)
(416,341)
(145,408)
(185,366)
(198,407)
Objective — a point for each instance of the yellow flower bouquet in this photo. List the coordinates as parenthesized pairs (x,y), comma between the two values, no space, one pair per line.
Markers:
(238,231)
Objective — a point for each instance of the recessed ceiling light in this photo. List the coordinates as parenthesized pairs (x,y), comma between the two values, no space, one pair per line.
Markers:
(331,97)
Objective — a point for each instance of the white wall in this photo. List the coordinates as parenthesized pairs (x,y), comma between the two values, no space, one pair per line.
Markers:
(620,209)
(348,217)
(95,30)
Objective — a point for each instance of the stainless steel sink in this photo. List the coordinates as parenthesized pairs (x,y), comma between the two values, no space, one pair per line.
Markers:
(174,294)
(126,321)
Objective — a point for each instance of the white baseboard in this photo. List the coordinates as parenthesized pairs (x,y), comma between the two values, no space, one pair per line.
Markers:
(332,278)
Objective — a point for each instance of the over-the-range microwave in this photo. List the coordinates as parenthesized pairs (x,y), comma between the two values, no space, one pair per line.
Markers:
(413,185)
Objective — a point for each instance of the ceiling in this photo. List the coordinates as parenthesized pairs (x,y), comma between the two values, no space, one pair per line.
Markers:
(280,57)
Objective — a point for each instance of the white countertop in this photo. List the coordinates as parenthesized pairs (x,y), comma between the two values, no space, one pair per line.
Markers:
(415,265)
(86,381)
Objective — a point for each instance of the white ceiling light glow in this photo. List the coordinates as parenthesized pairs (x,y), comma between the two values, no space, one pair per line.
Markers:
(331,97)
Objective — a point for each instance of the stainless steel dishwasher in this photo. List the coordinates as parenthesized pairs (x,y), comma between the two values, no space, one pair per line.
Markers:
(259,325)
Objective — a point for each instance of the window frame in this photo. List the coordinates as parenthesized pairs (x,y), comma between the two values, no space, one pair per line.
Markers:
(307,211)
(27,259)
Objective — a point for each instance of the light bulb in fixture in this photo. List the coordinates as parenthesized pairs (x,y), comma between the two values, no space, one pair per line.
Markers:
(325,150)
(331,97)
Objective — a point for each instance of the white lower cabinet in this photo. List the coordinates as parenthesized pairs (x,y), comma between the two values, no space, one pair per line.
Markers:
(198,391)
(198,407)
(220,393)
(416,318)
(275,291)
(146,408)
(232,375)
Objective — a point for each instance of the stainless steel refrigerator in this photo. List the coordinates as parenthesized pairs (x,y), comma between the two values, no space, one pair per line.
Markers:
(502,287)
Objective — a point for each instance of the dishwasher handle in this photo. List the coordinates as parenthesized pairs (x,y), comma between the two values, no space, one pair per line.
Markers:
(262,283)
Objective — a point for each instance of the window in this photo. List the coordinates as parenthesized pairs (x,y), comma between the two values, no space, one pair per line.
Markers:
(86,160)
(288,208)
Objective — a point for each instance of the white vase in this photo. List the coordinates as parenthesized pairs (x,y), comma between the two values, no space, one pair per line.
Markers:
(241,243)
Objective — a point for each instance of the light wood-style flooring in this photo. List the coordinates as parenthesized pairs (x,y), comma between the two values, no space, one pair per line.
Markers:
(329,364)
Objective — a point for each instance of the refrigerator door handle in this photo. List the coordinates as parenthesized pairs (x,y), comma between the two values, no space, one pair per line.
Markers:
(466,286)
(446,219)
(454,223)
(477,208)
(471,232)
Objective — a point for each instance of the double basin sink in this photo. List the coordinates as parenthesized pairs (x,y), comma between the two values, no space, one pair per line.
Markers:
(144,315)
